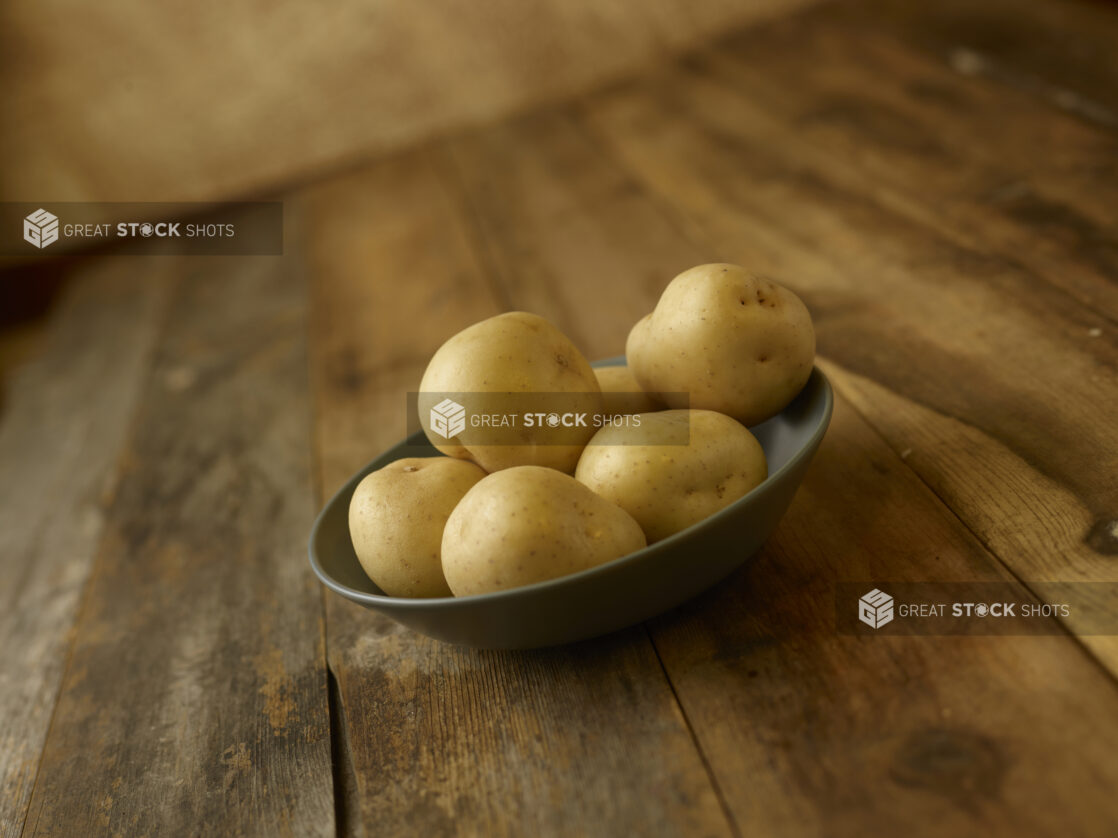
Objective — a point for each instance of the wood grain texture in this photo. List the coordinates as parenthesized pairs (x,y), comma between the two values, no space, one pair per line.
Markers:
(939,145)
(949,325)
(1059,52)
(95,96)
(913,736)
(59,442)
(568,235)
(807,732)
(586,739)
(195,696)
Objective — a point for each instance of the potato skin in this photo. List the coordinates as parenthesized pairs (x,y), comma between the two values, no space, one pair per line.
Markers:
(621,394)
(396,520)
(737,343)
(526,524)
(516,352)
(667,488)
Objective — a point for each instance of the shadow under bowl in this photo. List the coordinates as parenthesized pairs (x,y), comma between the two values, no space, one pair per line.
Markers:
(605,598)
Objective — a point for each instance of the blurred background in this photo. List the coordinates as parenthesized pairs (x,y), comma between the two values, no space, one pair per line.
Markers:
(216,101)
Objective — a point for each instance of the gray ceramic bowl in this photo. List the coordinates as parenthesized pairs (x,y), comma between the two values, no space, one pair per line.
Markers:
(605,598)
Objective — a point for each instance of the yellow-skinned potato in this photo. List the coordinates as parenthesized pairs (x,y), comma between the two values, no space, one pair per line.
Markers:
(736,343)
(518,353)
(621,394)
(669,487)
(396,520)
(528,524)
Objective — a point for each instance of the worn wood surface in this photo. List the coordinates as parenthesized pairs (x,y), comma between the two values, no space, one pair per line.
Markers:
(195,695)
(937,183)
(59,442)
(921,737)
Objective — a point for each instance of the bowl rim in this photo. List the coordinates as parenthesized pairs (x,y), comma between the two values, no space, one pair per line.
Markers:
(451,602)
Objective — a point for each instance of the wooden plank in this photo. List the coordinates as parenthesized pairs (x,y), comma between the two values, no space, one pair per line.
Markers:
(1058,51)
(808,732)
(965,333)
(1014,509)
(195,696)
(626,249)
(64,420)
(586,739)
(909,736)
(939,145)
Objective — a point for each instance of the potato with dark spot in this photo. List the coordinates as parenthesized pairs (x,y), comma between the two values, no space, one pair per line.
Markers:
(667,486)
(521,354)
(396,520)
(528,524)
(621,394)
(735,342)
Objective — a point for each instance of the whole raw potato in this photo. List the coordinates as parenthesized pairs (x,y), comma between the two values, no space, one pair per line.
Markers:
(737,343)
(527,524)
(517,353)
(396,520)
(621,394)
(669,487)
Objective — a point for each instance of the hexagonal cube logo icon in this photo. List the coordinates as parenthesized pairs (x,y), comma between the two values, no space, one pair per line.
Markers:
(875,609)
(448,418)
(40,228)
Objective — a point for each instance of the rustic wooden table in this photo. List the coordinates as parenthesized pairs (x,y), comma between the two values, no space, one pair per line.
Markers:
(940,186)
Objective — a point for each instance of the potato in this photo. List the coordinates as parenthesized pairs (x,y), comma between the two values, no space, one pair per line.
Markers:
(517,353)
(734,342)
(396,520)
(669,487)
(527,524)
(621,394)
